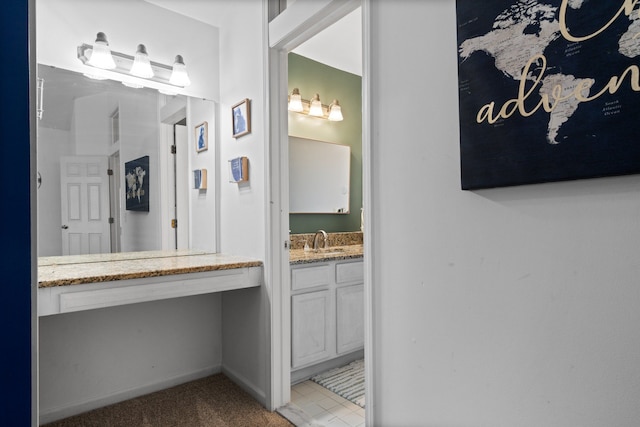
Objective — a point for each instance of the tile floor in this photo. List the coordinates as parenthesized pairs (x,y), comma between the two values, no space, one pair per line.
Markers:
(325,407)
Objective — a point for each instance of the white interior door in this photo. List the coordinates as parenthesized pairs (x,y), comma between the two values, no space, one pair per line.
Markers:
(85,205)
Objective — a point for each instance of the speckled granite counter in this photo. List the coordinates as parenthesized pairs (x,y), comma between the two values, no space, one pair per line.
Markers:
(300,256)
(97,268)
(88,282)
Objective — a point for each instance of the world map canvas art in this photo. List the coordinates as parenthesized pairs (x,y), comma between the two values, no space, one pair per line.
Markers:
(549,90)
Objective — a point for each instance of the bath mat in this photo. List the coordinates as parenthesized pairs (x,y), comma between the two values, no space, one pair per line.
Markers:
(346,381)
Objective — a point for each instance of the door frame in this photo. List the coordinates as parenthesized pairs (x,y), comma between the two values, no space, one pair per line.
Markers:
(172,112)
(298,23)
(114,200)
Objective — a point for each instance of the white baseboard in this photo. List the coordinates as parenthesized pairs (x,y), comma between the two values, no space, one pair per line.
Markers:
(54,414)
(246,385)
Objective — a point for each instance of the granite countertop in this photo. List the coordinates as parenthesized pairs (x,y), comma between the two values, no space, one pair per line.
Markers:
(82,269)
(300,256)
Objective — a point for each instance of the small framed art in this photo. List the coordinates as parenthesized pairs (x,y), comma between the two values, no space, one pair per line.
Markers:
(136,176)
(200,179)
(202,137)
(241,118)
(239,170)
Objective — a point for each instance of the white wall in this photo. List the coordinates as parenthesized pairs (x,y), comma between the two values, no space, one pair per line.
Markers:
(91,124)
(139,134)
(53,144)
(202,221)
(505,307)
(243,206)
(94,358)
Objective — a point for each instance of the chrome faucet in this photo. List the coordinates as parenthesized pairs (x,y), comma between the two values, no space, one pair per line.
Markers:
(324,236)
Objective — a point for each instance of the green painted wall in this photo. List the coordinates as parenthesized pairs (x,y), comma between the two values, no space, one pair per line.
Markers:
(312,77)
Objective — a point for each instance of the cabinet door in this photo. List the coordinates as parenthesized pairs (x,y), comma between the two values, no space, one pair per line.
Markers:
(311,326)
(350,318)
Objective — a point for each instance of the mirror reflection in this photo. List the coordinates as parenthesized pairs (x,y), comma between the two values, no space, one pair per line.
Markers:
(104,185)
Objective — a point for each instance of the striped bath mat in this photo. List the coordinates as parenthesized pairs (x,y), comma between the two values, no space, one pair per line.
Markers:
(346,381)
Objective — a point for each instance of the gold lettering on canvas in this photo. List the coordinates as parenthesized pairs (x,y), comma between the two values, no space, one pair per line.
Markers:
(627,7)
(534,73)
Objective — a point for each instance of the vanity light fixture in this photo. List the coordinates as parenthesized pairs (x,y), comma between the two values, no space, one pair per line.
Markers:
(141,64)
(335,111)
(101,54)
(135,67)
(179,75)
(295,101)
(314,107)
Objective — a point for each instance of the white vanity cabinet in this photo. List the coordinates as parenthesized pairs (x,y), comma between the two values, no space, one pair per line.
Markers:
(327,311)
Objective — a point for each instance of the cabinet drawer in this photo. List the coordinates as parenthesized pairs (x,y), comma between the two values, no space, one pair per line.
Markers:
(310,277)
(350,272)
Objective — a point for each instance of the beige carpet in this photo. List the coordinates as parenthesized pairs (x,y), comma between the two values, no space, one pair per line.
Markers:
(211,401)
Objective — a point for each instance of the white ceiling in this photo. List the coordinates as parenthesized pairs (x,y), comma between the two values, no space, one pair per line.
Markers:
(346,33)
(61,87)
(339,46)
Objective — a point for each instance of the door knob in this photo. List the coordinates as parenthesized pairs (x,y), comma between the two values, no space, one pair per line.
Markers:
(64,227)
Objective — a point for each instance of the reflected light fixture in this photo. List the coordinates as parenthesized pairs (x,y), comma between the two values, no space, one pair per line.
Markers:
(314,107)
(101,54)
(335,111)
(141,64)
(295,101)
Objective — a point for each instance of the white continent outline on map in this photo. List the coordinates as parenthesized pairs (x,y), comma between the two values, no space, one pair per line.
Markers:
(512,49)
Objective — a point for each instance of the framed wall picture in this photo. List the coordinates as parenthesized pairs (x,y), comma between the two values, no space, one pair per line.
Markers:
(239,170)
(200,179)
(241,118)
(136,177)
(202,137)
(547,91)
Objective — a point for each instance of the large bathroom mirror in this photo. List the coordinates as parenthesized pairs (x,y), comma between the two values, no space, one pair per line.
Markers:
(318,176)
(104,182)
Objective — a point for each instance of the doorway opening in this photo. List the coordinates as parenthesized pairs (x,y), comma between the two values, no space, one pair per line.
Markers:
(285,36)
(327,322)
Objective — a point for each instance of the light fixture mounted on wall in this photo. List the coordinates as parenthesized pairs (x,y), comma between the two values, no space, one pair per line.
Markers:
(100,56)
(314,107)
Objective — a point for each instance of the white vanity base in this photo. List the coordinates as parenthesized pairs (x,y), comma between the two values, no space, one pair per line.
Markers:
(65,299)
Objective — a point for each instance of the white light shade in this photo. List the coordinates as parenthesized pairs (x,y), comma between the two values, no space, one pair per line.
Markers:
(101,54)
(141,65)
(335,111)
(315,109)
(295,101)
(179,76)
